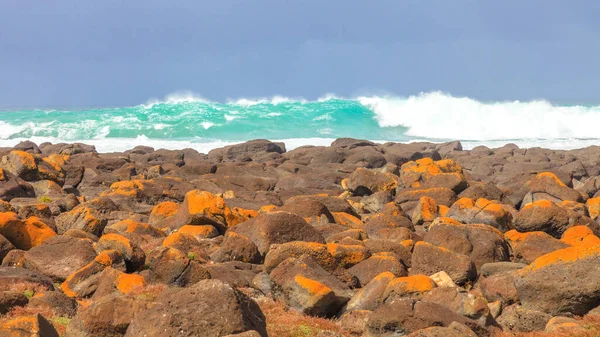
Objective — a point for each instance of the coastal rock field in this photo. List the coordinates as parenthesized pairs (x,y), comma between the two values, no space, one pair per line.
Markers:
(251,240)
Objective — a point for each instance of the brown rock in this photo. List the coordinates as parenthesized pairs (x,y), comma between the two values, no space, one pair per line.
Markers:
(59,257)
(171,266)
(210,307)
(35,325)
(24,234)
(561,282)
(306,286)
(517,319)
(368,269)
(132,254)
(526,247)
(108,316)
(366,182)
(406,316)
(83,218)
(236,247)
(55,301)
(482,243)
(543,216)
(277,227)
(429,259)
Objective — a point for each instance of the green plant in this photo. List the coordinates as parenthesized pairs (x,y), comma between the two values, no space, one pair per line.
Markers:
(45,199)
(304,331)
(28,293)
(191,256)
(61,320)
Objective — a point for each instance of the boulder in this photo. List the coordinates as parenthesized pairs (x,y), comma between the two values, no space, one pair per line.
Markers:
(406,316)
(306,286)
(277,227)
(35,325)
(59,257)
(482,211)
(210,307)
(109,316)
(561,282)
(83,218)
(24,234)
(545,216)
(547,186)
(482,243)
(408,198)
(517,319)
(366,270)
(55,301)
(132,254)
(428,173)
(526,247)
(429,259)
(366,182)
(237,247)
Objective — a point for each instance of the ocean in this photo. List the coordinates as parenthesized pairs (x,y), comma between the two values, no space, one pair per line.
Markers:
(187,121)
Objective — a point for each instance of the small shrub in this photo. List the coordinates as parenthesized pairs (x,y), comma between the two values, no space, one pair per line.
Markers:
(28,293)
(22,287)
(191,256)
(282,322)
(45,199)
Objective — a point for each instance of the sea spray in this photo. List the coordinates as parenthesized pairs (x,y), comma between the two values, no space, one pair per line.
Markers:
(188,120)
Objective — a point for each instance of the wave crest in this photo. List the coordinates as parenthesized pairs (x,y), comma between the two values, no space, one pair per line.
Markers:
(442,116)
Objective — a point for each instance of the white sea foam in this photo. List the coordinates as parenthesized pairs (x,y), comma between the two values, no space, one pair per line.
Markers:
(248,102)
(176,98)
(229,118)
(207,125)
(438,115)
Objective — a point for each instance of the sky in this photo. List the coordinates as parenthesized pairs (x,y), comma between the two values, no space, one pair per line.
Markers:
(116,53)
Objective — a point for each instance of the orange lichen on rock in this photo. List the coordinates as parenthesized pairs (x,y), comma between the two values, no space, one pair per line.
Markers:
(580,236)
(165,209)
(516,236)
(312,287)
(203,202)
(35,325)
(539,204)
(267,209)
(414,173)
(550,176)
(2,176)
(415,284)
(26,159)
(445,221)
(199,231)
(128,283)
(443,210)
(448,166)
(425,211)
(128,188)
(56,161)
(565,255)
(24,234)
(177,238)
(347,220)
(593,207)
(347,256)
(238,215)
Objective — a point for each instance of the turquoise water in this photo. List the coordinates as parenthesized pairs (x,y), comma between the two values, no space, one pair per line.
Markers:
(188,121)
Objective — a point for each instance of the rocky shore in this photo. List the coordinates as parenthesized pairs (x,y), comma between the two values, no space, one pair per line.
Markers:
(354,239)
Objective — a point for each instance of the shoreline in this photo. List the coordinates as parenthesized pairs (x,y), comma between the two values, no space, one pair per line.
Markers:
(106,145)
(383,237)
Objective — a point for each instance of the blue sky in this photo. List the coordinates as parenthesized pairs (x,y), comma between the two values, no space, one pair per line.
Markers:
(89,52)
